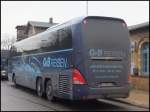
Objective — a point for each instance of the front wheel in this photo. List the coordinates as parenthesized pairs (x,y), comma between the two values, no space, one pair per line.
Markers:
(49,91)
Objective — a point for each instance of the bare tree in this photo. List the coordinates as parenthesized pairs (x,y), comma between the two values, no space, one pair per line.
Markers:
(7,41)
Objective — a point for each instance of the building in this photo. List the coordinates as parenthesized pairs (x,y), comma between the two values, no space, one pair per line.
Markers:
(32,28)
(21,32)
(140,55)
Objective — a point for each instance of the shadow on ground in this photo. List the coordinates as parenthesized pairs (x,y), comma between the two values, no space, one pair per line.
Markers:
(86,105)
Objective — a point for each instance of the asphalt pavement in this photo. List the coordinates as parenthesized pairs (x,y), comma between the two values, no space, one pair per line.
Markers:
(23,99)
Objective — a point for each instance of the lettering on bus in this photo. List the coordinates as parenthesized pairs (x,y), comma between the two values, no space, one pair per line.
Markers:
(54,62)
(99,68)
(95,52)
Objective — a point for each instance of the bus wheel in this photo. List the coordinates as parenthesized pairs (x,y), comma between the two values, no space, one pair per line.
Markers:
(49,91)
(39,87)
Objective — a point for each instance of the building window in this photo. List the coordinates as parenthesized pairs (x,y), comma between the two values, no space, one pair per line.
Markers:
(132,58)
(145,59)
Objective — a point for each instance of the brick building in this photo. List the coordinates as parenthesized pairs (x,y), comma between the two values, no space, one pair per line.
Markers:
(32,28)
(140,55)
(21,32)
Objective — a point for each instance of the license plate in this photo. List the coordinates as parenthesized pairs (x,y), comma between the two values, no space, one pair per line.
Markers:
(106,84)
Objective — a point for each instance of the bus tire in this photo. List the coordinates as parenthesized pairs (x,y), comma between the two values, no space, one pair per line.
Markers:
(49,91)
(39,87)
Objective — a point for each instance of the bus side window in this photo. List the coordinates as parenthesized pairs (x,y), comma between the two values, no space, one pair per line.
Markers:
(51,43)
(54,45)
(65,38)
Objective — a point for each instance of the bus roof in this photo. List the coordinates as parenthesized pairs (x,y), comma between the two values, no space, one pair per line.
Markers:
(80,19)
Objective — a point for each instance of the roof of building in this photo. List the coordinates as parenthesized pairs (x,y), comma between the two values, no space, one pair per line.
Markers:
(20,26)
(142,25)
(41,24)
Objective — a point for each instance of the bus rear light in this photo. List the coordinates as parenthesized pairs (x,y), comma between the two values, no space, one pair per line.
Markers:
(77,78)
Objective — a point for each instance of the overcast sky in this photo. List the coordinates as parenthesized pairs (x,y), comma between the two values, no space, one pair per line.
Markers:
(15,13)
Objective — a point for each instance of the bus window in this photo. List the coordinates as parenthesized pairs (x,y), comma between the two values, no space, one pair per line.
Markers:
(51,43)
(65,38)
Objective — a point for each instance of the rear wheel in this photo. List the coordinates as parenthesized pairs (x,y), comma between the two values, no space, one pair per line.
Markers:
(39,87)
(49,91)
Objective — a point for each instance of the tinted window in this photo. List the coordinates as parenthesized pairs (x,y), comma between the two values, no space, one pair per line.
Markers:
(51,43)
(105,34)
(65,38)
(57,40)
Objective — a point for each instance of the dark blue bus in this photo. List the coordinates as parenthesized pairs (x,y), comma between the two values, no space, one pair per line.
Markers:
(85,58)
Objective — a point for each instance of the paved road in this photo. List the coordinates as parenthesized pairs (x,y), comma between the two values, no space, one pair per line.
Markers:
(22,99)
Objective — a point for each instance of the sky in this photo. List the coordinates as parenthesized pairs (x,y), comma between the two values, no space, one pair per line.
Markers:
(15,13)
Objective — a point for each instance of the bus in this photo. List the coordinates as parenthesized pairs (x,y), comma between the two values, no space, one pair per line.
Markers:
(82,59)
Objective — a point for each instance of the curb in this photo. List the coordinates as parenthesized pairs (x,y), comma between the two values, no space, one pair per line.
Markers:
(127,102)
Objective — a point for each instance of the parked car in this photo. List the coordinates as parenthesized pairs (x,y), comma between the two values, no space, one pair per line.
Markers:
(4,75)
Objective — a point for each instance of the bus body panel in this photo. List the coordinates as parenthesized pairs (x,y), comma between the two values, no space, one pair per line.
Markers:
(45,65)
(85,92)
(105,77)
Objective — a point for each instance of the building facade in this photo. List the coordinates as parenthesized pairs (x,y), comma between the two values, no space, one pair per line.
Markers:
(32,28)
(21,32)
(140,55)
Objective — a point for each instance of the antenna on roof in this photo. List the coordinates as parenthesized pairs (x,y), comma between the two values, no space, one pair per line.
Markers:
(51,20)
(87,8)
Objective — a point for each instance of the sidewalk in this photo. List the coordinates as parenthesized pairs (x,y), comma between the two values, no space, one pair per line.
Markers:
(137,97)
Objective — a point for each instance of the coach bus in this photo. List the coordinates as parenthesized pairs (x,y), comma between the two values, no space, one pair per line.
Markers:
(84,58)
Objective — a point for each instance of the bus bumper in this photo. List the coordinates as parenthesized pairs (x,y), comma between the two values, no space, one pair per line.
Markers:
(84,92)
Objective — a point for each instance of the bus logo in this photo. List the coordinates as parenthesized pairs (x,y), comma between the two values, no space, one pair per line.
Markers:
(95,52)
